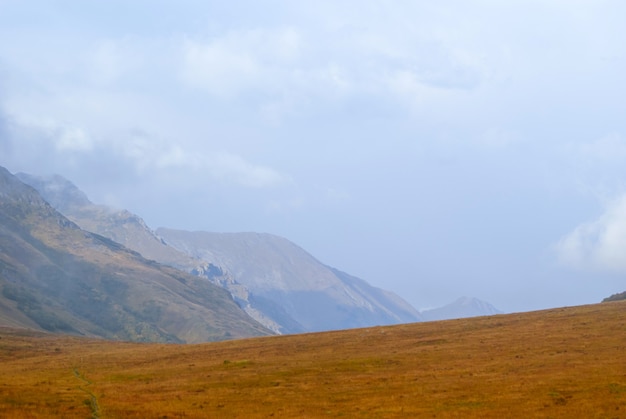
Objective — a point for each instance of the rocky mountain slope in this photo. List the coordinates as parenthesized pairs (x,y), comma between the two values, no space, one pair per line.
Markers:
(131,231)
(273,280)
(461,308)
(58,277)
(121,226)
(291,286)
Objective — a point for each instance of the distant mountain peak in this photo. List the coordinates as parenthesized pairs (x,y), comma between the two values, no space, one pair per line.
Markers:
(461,308)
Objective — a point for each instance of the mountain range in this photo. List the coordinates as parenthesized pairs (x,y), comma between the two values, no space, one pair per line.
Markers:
(280,287)
(273,280)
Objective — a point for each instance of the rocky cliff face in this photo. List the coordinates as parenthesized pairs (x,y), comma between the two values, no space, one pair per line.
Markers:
(58,277)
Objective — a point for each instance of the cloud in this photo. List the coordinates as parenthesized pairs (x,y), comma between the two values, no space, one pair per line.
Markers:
(72,138)
(288,66)
(233,167)
(238,61)
(111,59)
(149,153)
(64,136)
(598,245)
(50,145)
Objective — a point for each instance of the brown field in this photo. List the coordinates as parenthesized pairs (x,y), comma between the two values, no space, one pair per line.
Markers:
(568,362)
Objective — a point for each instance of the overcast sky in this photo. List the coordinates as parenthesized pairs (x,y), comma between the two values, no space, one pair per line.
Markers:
(435,149)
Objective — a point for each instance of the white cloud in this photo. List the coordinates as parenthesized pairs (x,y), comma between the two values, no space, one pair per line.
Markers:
(600,244)
(112,59)
(233,167)
(142,153)
(320,64)
(72,138)
(218,68)
(238,61)
(63,136)
(150,153)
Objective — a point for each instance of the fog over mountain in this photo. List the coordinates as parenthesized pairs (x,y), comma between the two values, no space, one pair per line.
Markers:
(118,225)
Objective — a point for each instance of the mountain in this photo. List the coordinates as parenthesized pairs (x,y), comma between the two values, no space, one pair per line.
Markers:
(273,280)
(58,277)
(121,226)
(290,286)
(461,308)
(131,231)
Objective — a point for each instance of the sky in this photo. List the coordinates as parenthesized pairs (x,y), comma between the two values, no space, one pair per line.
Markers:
(434,149)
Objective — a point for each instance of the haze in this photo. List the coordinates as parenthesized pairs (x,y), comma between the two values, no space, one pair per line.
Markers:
(436,150)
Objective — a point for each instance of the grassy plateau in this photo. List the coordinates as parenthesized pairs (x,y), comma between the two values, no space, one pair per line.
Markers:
(566,362)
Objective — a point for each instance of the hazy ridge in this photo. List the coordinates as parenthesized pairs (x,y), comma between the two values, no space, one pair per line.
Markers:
(56,276)
(275,281)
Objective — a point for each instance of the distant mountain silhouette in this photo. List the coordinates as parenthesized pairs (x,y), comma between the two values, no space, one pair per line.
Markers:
(461,308)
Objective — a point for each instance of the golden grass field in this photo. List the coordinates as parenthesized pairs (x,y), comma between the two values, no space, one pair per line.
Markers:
(566,362)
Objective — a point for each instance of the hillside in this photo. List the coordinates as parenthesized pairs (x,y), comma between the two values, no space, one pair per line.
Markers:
(121,226)
(560,363)
(276,282)
(55,276)
(130,230)
(290,285)
(615,297)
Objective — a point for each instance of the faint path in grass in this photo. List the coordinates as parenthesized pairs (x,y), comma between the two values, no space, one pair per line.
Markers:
(92,401)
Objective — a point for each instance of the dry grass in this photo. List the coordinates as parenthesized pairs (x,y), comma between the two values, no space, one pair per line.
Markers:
(565,362)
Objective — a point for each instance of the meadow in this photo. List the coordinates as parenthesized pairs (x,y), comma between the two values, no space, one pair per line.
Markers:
(566,362)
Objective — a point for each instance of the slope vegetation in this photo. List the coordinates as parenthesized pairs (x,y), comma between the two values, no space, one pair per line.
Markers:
(560,363)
